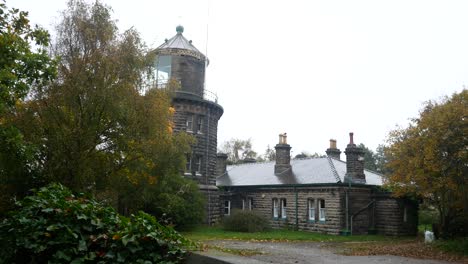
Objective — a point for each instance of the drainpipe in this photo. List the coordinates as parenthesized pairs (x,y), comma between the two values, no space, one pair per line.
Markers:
(347,209)
(348,192)
(297,206)
(207,178)
(358,212)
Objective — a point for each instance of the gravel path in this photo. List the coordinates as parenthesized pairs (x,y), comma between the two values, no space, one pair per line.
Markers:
(297,253)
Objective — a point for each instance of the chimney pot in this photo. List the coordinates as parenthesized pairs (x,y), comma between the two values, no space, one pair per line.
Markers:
(351,139)
(283,138)
(333,151)
(333,143)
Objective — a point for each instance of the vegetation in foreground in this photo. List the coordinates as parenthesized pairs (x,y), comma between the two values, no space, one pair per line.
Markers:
(86,116)
(428,160)
(245,221)
(55,226)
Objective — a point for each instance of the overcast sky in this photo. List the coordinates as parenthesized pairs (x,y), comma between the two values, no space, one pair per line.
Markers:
(314,69)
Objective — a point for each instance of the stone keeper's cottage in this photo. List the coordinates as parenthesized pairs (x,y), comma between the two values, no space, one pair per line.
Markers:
(324,195)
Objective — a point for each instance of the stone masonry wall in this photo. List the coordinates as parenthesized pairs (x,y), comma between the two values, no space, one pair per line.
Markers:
(390,216)
(359,198)
(206,144)
(371,210)
(263,203)
(205,147)
(190,72)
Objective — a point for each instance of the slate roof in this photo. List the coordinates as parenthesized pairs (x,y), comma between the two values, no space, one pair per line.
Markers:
(179,42)
(304,171)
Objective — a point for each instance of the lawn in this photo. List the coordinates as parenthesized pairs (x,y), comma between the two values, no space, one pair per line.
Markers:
(455,250)
(203,233)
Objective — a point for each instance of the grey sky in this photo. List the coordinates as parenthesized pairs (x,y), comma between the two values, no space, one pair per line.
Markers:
(314,69)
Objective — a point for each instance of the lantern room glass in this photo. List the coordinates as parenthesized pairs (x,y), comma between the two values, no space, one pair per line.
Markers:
(163,70)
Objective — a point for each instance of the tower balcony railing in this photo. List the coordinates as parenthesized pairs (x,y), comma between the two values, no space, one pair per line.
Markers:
(207,95)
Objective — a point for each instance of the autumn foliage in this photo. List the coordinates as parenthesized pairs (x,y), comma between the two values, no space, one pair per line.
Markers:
(100,126)
(429,158)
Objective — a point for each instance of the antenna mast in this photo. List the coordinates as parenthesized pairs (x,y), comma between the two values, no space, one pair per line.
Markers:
(206,46)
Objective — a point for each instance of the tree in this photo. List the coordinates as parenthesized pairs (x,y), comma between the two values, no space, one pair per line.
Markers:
(429,159)
(21,67)
(98,130)
(238,150)
(381,159)
(370,162)
(305,154)
(270,154)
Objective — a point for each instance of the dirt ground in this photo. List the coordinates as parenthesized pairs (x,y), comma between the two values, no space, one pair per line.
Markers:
(247,252)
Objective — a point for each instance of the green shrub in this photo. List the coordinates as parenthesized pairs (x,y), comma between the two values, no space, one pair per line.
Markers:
(55,226)
(428,216)
(176,201)
(458,246)
(245,221)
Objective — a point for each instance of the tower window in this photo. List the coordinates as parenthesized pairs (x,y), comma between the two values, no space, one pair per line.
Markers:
(200,125)
(163,70)
(189,123)
(197,165)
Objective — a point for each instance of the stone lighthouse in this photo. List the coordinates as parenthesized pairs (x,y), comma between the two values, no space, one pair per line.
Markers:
(197,112)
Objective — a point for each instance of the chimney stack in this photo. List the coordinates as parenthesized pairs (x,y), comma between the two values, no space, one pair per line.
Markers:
(221,159)
(283,155)
(354,163)
(333,152)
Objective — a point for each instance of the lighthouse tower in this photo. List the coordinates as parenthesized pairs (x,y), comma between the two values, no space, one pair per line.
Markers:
(197,112)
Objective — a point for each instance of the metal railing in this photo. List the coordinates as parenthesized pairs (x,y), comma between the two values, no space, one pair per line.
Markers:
(207,95)
(210,96)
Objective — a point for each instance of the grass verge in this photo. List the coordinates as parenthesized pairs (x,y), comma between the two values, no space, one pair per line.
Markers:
(204,233)
(364,245)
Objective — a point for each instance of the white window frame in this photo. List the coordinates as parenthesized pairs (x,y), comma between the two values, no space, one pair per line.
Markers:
(275,208)
(200,125)
(311,207)
(283,208)
(189,123)
(322,212)
(227,207)
(198,163)
(243,204)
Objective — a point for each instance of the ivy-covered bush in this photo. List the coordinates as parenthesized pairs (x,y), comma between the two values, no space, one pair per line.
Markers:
(55,226)
(245,221)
